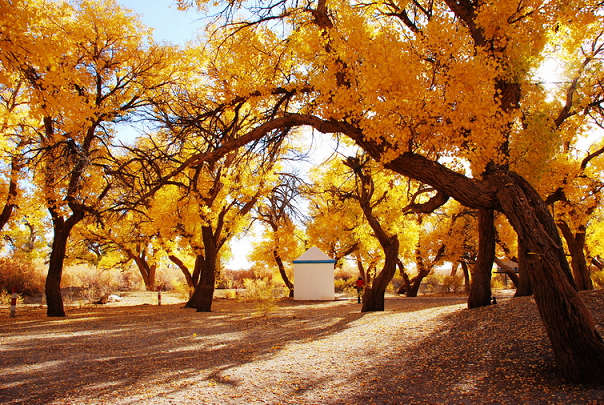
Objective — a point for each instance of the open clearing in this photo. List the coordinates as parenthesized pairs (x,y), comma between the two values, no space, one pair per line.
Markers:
(420,350)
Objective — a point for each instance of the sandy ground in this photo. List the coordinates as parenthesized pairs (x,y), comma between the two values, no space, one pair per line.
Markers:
(419,350)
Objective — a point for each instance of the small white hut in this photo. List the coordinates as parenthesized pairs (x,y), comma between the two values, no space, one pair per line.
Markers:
(314,276)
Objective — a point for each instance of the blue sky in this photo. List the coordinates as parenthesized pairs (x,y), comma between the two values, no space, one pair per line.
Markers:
(168,23)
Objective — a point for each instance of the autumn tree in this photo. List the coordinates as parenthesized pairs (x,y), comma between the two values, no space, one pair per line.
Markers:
(360,181)
(400,80)
(277,211)
(122,238)
(444,236)
(86,66)
(202,209)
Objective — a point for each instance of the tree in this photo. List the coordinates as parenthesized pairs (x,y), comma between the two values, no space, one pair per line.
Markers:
(86,66)
(359,180)
(124,238)
(276,211)
(399,80)
(203,209)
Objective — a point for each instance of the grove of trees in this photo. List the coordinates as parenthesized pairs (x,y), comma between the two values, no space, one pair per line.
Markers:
(460,153)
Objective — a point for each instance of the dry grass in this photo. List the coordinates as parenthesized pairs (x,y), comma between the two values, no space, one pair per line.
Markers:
(422,350)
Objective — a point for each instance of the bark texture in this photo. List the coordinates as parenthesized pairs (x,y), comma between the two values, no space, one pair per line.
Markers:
(203,294)
(576,245)
(509,271)
(578,347)
(524,278)
(373,296)
(62,229)
(480,286)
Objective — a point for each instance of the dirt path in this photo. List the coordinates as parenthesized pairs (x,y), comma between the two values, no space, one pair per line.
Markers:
(423,350)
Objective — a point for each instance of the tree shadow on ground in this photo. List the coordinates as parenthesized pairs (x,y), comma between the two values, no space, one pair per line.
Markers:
(495,354)
(102,352)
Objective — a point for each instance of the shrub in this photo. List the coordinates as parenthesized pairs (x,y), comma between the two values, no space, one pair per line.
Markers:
(21,275)
(453,284)
(432,283)
(341,285)
(261,292)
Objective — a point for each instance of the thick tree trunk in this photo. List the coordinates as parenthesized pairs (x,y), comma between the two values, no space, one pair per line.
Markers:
(203,295)
(373,297)
(61,231)
(480,287)
(288,283)
(524,288)
(54,300)
(576,244)
(578,347)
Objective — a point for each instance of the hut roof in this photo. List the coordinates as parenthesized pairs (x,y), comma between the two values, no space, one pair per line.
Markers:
(314,255)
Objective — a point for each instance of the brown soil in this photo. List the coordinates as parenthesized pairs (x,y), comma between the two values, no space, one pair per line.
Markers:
(420,350)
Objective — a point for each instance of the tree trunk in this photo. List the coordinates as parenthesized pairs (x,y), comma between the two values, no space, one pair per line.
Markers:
(422,272)
(361,268)
(373,297)
(288,283)
(509,271)
(183,268)
(524,288)
(54,300)
(466,277)
(414,285)
(61,231)
(147,272)
(576,244)
(480,286)
(11,195)
(204,290)
(578,347)
(406,283)
(454,267)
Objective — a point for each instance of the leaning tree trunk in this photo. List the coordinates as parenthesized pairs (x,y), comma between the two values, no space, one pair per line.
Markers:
(509,271)
(406,284)
(414,285)
(184,269)
(524,288)
(288,283)
(576,244)
(422,272)
(147,272)
(480,286)
(578,347)
(373,297)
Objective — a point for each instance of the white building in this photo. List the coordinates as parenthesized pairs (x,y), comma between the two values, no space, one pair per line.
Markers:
(314,276)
